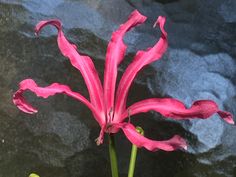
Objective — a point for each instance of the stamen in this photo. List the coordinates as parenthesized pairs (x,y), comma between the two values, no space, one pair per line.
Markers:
(110,115)
(129,115)
(108,126)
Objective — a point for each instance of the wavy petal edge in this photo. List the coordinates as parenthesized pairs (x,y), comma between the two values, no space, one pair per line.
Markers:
(141,59)
(175,109)
(83,63)
(176,142)
(45,92)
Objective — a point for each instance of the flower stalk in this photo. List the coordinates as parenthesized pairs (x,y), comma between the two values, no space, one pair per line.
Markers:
(113,157)
(134,154)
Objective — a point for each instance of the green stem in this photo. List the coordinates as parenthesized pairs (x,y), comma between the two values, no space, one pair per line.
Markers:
(134,154)
(113,158)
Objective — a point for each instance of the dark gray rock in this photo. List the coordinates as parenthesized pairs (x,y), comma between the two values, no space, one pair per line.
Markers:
(58,141)
(69,133)
(188,77)
(227,11)
(88,163)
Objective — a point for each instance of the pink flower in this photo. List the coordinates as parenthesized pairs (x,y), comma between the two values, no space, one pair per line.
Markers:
(107,104)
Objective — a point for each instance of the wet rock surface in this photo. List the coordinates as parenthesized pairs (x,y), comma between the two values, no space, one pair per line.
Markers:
(59,140)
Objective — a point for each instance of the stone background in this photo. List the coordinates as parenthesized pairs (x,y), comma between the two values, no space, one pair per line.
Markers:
(59,140)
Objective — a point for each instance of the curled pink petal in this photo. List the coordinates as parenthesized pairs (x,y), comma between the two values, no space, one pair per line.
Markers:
(115,54)
(141,59)
(83,63)
(175,109)
(45,92)
(176,142)
(227,116)
(100,138)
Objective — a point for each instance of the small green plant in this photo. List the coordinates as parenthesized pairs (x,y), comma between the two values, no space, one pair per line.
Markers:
(33,175)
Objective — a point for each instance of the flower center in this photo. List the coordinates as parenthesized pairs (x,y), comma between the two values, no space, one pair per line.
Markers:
(111,128)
